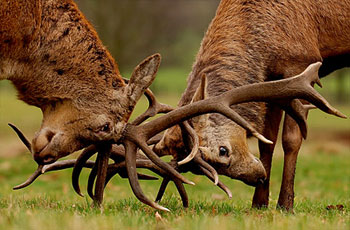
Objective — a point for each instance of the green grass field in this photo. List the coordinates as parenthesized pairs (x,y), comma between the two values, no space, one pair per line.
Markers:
(322,179)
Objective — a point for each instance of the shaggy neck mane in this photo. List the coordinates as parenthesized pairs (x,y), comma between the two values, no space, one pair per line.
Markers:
(256,41)
(64,51)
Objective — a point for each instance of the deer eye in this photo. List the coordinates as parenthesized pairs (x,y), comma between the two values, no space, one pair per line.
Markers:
(223,151)
(104,128)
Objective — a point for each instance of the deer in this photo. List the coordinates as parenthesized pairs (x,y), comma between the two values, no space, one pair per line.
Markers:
(246,43)
(56,61)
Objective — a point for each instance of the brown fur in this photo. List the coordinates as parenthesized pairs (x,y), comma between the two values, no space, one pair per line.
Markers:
(252,41)
(56,61)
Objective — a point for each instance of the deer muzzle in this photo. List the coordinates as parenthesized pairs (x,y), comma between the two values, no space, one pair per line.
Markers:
(45,147)
(250,170)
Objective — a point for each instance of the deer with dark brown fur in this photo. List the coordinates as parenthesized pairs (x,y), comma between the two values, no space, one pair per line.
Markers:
(257,41)
(56,61)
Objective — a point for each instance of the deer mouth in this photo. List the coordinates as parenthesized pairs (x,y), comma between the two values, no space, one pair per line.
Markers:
(51,152)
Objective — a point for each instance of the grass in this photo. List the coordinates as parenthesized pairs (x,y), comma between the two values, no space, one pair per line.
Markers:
(50,203)
(322,179)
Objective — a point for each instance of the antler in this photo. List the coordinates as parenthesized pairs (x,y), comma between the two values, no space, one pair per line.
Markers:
(287,89)
(137,135)
(197,165)
(99,169)
(78,164)
(154,108)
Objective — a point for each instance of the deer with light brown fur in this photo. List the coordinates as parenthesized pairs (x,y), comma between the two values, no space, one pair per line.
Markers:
(56,61)
(252,41)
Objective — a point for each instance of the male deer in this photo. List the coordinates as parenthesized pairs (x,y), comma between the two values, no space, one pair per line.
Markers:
(56,61)
(257,41)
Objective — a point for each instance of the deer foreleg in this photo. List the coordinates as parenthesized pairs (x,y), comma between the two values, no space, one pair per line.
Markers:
(273,118)
(291,142)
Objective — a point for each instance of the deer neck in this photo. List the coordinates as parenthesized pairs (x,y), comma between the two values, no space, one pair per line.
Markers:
(254,41)
(65,50)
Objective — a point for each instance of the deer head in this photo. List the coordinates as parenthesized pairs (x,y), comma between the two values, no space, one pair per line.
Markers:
(222,144)
(69,125)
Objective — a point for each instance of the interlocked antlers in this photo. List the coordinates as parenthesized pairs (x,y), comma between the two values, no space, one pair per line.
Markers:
(138,135)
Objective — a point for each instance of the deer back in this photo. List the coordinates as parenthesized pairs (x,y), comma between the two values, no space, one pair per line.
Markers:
(255,41)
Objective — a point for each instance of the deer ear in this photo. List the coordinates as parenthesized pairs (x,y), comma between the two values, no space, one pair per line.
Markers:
(201,92)
(141,79)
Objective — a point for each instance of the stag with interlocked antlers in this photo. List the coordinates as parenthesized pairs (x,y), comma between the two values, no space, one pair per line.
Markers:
(56,61)
(255,41)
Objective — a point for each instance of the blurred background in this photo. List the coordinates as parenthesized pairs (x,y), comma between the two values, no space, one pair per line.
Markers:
(134,29)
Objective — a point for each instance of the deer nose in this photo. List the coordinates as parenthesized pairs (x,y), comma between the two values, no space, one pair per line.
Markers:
(261,178)
(40,142)
(257,160)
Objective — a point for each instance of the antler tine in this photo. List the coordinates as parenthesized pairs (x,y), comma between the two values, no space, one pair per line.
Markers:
(59,165)
(26,142)
(186,112)
(115,169)
(194,143)
(298,111)
(162,188)
(42,169)
(203,164)
(147,164)
(31,179)
(154,108)
(182,191)
(157,161)
(79,164)
(21,136)
(91,181)
(311,95)
(96,169)
(118,155)
(206,169)
(180,188)
(154,140)
(220,184)
(100,171)
(82,161)
(102,167)
(130,158)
